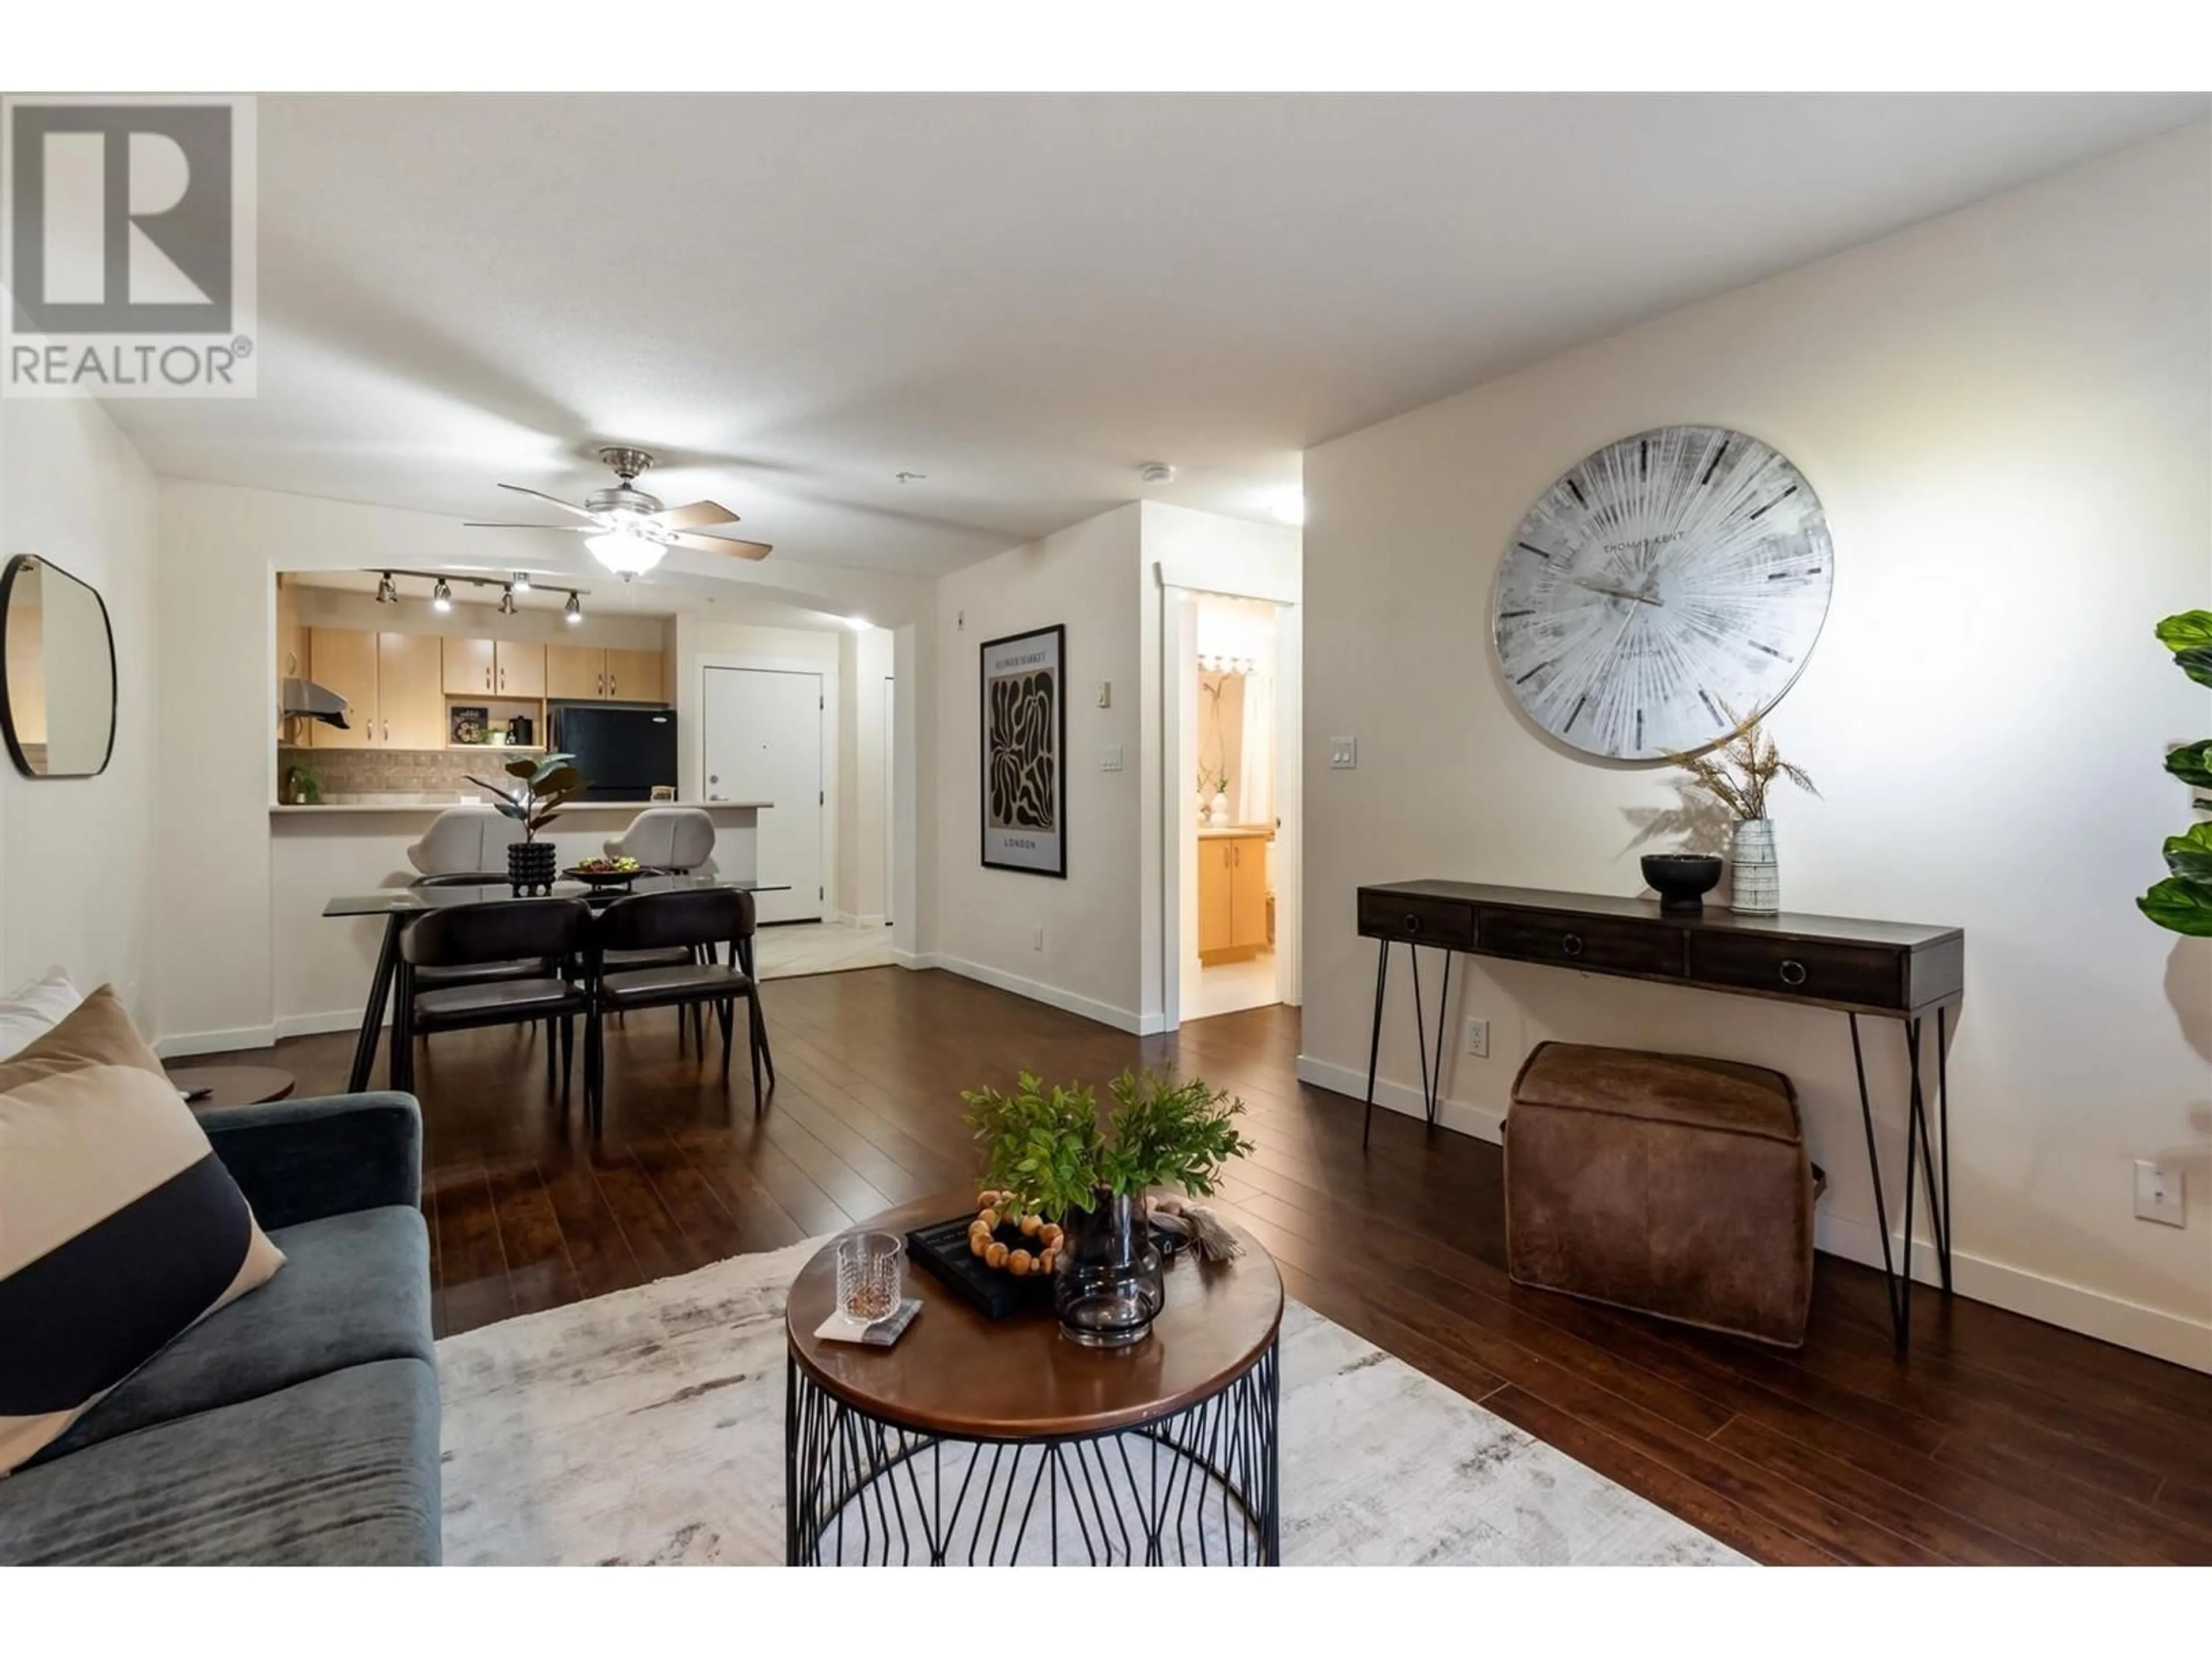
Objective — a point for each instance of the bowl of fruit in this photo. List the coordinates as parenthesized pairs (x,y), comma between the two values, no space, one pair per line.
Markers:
(605,873)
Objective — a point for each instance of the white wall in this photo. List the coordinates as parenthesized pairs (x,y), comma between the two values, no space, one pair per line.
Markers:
(984,920)
(2005,412)
(77,854)
(864,663)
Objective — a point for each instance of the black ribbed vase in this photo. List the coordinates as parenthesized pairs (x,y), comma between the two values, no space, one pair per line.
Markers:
(530,867)
(1108,1287)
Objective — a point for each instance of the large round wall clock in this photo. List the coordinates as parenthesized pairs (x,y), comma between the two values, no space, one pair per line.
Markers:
(1666,587)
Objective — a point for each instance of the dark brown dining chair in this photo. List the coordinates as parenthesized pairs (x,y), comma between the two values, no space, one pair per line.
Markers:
(431,979)
(702,920)
(549,931)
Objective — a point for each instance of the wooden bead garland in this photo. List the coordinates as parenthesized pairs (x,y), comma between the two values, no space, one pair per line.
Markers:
(996,1212)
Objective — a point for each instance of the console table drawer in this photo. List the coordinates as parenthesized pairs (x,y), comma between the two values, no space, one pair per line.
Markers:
(1418,920)
(1816,970)
(1601,945)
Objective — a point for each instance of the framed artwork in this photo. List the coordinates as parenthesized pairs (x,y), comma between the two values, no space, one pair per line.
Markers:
(1024,752)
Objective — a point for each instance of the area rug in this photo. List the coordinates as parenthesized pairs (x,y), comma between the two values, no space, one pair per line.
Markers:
(646,1426)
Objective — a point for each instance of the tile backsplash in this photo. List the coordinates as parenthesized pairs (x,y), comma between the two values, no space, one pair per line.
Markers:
(394,771)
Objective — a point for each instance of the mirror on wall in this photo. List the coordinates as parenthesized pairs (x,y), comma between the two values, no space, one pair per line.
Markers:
(57,673)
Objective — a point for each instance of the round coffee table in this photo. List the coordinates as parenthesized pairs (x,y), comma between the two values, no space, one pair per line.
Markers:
(234,1086)
(981,1443)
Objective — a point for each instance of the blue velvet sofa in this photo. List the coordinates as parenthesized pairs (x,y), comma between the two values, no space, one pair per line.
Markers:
(299,1425)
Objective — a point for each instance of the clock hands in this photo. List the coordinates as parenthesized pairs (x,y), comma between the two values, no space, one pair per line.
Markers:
(1613,593)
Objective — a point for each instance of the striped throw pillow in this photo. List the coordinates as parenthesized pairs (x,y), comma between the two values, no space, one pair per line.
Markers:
(119,1228)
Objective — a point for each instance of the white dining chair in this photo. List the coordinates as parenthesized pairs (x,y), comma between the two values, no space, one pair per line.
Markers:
(465,838)
(679,838)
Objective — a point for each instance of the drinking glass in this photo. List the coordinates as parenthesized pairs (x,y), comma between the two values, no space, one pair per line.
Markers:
(870,1275)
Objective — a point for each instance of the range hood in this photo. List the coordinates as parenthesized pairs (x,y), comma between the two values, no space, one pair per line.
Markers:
(316,702)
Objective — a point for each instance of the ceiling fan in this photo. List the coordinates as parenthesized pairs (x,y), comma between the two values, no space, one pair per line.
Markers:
(630,530)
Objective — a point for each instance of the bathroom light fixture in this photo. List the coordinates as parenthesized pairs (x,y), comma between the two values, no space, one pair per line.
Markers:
(387,591)
(507,600)
(521,582)
(574,611)
(626,551)
(441,597)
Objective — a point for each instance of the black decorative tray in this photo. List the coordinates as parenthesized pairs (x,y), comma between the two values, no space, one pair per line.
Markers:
(942,1248)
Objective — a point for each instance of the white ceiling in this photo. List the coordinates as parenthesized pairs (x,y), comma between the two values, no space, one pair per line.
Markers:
(794,297)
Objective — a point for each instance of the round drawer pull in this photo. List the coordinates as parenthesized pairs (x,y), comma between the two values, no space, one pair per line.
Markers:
(1413,922)
(1573,944)
(1793,972)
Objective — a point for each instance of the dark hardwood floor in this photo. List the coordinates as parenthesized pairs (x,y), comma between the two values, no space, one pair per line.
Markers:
(2000,1440)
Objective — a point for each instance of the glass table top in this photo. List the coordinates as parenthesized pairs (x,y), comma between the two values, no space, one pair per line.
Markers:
(408,901)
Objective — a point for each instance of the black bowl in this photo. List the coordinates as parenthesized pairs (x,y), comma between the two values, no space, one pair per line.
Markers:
(1681,880)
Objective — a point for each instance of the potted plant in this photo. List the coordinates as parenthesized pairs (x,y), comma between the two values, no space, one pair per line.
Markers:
(1738,771)
(534,800)
(1047,1153)
(2182,903)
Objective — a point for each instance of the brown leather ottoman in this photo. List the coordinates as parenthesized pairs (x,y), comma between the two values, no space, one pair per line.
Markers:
(1668,1184)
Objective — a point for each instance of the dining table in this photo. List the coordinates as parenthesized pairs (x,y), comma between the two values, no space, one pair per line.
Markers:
(399,906)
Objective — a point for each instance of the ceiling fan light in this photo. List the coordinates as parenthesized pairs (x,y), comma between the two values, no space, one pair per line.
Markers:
(441,597)
(625,551)
(573,611)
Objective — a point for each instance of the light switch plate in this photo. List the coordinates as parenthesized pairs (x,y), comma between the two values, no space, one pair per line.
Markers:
(1111,759)
(1343,754)
(2160,1194)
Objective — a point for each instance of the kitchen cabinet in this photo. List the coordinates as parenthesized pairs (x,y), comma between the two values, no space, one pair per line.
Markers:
(1232,896)
(344,659)
(468,668)
(584,673)
(575,673)
(519,669)
(634,676)
(411,712)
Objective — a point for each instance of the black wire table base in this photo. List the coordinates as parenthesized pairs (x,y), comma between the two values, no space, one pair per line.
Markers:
(1198,1487)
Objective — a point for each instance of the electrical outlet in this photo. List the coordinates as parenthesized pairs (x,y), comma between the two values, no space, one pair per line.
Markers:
(1110,760)
(2158,1194)
(1343,754)
(1036,940)
(1477,1038)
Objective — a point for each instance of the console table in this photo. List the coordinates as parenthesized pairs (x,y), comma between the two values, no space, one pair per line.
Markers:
(1891,970)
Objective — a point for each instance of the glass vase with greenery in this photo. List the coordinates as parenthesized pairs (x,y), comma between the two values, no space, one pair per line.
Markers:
(1047,1148)
(2182,903)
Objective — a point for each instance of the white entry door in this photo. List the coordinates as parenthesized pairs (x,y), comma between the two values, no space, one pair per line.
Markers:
(762,735)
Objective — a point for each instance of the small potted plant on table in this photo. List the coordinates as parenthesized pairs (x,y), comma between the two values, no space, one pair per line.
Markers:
(1048,1156)
(535,800)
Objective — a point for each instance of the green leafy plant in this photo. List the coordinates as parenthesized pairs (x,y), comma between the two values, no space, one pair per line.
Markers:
(1739,769)
(542,788)
(2182,903)
(1048,1147)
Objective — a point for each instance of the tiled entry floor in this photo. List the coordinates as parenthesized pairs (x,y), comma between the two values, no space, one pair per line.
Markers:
(819,947)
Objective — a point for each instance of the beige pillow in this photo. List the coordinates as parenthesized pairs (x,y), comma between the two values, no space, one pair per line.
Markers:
(119,1228)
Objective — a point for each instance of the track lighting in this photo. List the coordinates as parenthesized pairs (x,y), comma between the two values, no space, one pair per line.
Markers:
(520,584)
(441,597)
(387,591)
(507,600)
(573,611)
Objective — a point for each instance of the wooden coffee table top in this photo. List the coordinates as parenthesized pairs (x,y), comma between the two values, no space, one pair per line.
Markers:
(234,1086)
(955,1372)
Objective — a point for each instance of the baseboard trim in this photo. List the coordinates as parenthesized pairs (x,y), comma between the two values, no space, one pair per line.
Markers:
(847,919)
(184,1043)
(2071,1307)
(1121,1019)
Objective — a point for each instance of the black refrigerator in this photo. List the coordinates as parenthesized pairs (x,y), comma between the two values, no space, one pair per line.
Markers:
(622,752)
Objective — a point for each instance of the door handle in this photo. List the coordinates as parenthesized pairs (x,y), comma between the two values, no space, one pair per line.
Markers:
(487,679)
(502,679)
(387,729)
(603,686)
(613,690)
